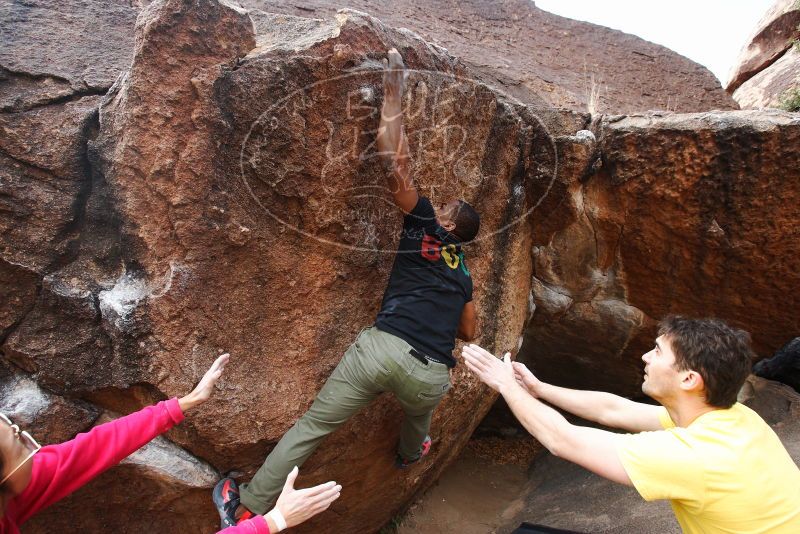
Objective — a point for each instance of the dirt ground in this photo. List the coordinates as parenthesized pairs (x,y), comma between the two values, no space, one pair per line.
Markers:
(481,492)
(497,482)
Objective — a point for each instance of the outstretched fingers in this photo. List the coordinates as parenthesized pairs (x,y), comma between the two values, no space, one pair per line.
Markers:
(213,374)
(474,363)
(318,498)
(479,351)
(219,364)
(395,59)
(324,499)
(472,367)
(314,491)
(479,356)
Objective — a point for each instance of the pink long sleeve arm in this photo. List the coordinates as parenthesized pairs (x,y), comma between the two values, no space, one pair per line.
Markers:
(256,525)
(58,470)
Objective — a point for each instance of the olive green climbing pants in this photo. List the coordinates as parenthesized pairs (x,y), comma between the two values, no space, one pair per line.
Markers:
(376,362)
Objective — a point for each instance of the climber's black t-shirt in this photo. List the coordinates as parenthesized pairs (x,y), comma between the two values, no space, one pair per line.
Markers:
(428,287)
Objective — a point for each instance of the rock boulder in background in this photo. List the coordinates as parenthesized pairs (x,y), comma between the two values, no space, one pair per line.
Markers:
(691,214)
(771,87)
(769,64)
(542,58)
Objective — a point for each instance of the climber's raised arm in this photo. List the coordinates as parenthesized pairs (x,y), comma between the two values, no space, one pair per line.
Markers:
(392,142)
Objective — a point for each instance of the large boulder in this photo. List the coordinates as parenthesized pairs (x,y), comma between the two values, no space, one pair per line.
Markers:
(534,55)
(694,214)
(225,195)
(230,198)
(771,38)
(542,58)
(773,85)
(769,64)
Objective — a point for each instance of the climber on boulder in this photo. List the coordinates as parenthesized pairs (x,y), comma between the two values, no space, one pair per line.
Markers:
(408,351)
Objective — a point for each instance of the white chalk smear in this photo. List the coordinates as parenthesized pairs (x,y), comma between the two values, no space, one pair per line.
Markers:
(117,303)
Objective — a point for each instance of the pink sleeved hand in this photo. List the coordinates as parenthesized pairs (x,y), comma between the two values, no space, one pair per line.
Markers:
(256,525)
(58,470)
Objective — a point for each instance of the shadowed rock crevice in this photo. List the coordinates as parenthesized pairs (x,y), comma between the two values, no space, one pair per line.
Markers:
(783,366)
(21,91)
(72,231)
(16,161)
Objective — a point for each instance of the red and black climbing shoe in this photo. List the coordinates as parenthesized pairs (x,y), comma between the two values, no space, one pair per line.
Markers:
(402,463)
(226,499)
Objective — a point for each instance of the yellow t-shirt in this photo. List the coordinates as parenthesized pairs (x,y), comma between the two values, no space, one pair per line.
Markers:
(726,472)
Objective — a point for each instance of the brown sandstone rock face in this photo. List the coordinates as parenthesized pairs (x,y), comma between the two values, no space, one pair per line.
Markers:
(56,51)
(769,65)
(49,418)
(770,40)
(226,196)
(536,56)
(55,59)
(768,88)
(542,58)
(690,214)
(230,199)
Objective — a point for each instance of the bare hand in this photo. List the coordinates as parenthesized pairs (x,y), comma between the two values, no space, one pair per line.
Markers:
(298,505)
(205,387)
(394,72)
(495,373)
(525,378)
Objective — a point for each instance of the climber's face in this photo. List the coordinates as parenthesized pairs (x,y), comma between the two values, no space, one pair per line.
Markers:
(446,214)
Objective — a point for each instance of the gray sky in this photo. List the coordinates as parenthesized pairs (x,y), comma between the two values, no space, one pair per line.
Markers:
(710,32)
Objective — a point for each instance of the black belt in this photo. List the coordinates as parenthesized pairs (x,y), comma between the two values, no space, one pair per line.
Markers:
(422,357)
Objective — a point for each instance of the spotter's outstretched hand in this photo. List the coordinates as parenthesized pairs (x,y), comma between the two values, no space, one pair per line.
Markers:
(496,373)
(526,378)
(205,387)
(298,505)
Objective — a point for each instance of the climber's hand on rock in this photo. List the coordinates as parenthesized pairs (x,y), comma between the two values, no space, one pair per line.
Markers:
(393,75)
(205,387)
(496,373)
(525,378)
(298,505)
